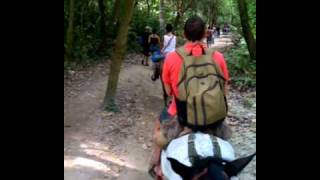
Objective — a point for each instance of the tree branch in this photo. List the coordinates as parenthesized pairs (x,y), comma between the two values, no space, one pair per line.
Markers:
(188,6)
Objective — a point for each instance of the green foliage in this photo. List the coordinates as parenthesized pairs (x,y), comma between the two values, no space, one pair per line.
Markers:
(180,41)
(133,45)
(141,19)
(252,15)
(87,35)
(241,68)
(227,12)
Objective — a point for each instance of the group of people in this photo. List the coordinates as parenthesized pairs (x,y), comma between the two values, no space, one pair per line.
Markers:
(226,28)
(191,135)
(152,45)
(214,32)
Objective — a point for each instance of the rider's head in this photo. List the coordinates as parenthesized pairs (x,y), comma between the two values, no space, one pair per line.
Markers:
(194,29)
(169,28)
(147,29)
(154,31)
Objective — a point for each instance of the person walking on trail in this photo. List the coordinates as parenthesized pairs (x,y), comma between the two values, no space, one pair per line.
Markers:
(145,46)
(156,57)
(197,80)
(209,36)
(154,41)
(169,41)
(213,33)
(218,32)
(169,46)
(226,28)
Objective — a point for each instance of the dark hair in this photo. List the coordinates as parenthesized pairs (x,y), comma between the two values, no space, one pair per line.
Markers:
(154,31)
(169,28)
(194,29)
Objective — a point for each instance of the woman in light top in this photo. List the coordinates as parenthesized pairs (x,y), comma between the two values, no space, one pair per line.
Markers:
(169,41)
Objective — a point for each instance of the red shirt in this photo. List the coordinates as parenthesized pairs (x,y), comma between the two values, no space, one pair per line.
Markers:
(173,64)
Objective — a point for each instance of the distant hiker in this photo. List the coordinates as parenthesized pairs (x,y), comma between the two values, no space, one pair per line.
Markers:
(169,41)
(169,45)
(209,36)
(156,57)
(145,45)
(217,32)
(213,33)
(226,28)
(154,41)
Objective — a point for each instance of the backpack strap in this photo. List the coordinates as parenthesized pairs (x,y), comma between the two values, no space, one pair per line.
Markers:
(202,48)
(216,147)
(181,52)
(183,56)
(168,43)
(193,156)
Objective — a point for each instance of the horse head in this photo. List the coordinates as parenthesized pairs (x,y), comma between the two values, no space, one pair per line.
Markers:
(211,168)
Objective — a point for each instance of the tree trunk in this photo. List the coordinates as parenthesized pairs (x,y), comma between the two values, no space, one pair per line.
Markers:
(148,6)
(118,54)
(161,18)
(70,32)
(81,32)
(114,22)
(116,11)
(248,36)
(176,21)
(103,28)
(214,12)
(181,9)
(214,18)
(209,11)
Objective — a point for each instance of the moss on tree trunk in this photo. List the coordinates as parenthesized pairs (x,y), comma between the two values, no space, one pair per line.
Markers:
(70,32)
(118,55)
(247,33)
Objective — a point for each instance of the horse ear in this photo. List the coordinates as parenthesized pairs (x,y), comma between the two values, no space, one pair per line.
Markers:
(184,171)
(234,167)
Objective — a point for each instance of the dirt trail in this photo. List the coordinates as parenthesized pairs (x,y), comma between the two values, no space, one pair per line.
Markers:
(100,145)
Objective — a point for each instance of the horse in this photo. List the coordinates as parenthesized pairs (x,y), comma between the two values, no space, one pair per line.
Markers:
(203,157)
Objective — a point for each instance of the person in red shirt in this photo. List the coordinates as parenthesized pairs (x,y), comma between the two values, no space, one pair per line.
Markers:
(194,32)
